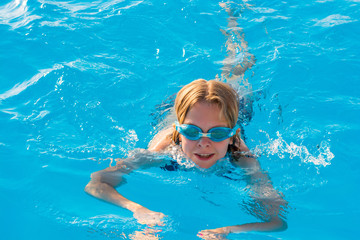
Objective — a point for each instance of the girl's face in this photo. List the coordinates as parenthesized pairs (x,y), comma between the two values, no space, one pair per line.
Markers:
(205,152)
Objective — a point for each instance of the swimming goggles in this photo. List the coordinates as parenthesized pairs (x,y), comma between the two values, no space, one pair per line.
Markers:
(216,134)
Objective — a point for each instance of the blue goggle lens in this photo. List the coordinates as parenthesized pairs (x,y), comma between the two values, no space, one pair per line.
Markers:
(220,133)
(190,132)
(216,134)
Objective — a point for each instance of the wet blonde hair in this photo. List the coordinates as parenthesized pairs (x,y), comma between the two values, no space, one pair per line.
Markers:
(212,92)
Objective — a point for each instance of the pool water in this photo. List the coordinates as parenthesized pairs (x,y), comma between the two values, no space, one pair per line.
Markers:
(84,82)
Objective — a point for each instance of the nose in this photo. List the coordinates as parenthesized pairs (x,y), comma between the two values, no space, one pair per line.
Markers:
(204,142)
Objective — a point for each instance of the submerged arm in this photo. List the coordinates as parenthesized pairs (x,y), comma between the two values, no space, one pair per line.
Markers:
(266,203)
(103,183)
(276,224)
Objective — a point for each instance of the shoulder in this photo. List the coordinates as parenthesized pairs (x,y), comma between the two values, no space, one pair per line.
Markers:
(243,158)
(161,140)
(242,146)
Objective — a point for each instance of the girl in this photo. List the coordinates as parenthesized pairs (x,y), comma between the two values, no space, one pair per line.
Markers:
(206,130)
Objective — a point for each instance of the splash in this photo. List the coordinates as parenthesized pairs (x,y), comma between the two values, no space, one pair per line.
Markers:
(177,154)
(282,149)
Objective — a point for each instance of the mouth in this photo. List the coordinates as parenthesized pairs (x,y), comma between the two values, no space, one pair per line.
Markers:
(204,157)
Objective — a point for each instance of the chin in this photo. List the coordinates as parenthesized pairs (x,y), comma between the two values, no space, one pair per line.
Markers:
(205,165)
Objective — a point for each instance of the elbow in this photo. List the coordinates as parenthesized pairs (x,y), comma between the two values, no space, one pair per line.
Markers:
(100,183)
(96,189)
(90,188)
(279,224)
(93,185)
(283,226)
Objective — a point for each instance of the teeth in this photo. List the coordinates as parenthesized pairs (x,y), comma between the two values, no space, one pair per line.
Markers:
(204,155)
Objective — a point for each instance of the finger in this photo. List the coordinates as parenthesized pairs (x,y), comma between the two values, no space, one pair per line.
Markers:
(152,230)
(208,235)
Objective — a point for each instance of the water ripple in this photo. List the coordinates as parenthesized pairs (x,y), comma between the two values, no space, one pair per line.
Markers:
(20,87)
(92,10)
(333,20)
(16,14)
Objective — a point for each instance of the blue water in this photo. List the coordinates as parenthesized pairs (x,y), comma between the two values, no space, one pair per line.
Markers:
(81,82)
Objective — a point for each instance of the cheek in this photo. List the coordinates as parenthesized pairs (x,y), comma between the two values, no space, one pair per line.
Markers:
(187,145)
(186,148)
(222,147)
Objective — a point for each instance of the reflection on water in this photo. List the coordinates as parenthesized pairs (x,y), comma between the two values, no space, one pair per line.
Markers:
(71,109)
(18,88)
(16,14)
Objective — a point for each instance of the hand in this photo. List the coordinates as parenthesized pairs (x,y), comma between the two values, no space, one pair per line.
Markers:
(214,234)
(146,234)
(148,217)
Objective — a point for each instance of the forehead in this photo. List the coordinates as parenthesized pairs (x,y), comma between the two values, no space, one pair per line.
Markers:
(205,115)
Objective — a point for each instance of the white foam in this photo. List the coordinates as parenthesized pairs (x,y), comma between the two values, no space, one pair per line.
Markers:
(281,148)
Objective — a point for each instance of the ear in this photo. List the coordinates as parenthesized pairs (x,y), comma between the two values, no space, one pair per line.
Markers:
(232,138)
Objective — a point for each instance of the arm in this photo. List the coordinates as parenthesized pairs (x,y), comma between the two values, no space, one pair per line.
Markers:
(266,203)
(103,183)
(220,233)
